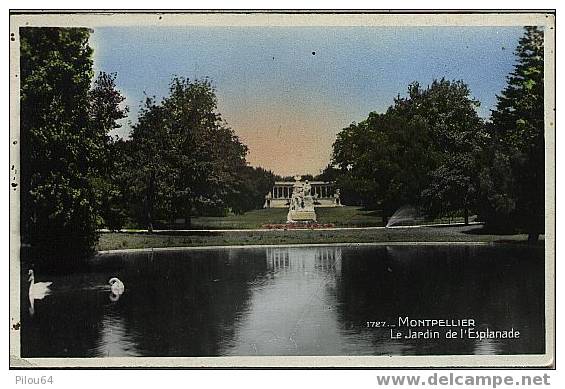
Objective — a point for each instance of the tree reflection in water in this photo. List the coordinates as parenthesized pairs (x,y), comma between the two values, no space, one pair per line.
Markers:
(313,300)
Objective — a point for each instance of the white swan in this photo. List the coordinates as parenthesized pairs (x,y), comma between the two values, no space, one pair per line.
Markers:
(37,291)
(116,286)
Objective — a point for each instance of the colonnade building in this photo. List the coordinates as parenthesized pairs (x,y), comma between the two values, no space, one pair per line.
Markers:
(324,194)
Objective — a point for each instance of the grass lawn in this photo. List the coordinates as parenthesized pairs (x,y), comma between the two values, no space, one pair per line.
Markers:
(473,233)
(349,217)
(251,219)
(340,217)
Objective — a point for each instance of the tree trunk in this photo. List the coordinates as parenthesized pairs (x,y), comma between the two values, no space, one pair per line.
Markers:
(466,215)
(150,197)
(187,210)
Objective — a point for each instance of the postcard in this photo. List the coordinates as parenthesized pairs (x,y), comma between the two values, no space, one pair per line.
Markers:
(282,189)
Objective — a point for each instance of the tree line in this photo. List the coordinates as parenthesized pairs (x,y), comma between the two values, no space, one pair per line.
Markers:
(181,160)
(431,150)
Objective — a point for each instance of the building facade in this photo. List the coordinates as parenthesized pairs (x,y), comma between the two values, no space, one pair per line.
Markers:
(325,194)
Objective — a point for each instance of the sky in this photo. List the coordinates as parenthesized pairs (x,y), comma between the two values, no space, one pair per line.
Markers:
(287,91)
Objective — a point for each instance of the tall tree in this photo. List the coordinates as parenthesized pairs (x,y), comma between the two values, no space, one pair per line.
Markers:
(383,161)
(188,155)
(149,172)
(106,110)
(59,151)
(456,131)
(513,189)
(420,152)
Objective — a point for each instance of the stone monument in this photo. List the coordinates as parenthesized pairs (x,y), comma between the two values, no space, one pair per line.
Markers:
(337,198)
(301,208)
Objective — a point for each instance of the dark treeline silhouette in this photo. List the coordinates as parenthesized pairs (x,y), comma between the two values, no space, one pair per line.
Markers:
(181,159)
(430,149)
(61,149)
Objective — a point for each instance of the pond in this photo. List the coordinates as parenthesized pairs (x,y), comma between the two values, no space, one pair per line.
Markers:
(308,300)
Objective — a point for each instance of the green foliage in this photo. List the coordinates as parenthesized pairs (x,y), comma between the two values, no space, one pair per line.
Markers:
(105,112)
(382,161)
(512,181)
(185,160)
(254,183)
(59,150)
(329,174)
(456,133)
(419,152)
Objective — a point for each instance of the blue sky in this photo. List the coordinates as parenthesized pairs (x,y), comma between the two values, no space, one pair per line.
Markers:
(287,103)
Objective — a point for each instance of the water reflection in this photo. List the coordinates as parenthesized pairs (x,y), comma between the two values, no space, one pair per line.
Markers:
(486,347)
(290,301)
(114,339)
(293,311)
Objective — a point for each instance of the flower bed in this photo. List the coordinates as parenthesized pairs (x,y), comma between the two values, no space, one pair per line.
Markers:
(297,226)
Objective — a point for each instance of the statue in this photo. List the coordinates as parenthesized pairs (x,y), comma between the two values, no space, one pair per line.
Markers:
(268,198)
(337,198)
(301,207)
(307,188)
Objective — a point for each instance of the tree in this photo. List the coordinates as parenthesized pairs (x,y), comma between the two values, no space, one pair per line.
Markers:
(513,180)
(456,131)
(59,150)
(420,152)
(105,113)
(383,161)
(254,183)
(149,173)
(186,156)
